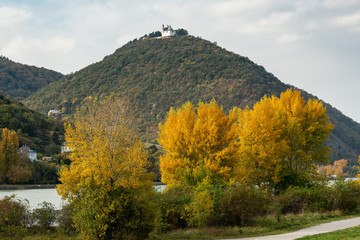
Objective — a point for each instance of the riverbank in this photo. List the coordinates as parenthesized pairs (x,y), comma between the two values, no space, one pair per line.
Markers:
(26,186)
(43,186)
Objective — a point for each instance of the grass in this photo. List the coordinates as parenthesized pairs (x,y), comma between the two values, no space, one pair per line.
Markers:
(14,233)
(347,234)
(266,225)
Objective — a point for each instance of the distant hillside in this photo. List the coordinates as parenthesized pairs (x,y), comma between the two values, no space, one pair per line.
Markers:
(156,74)
(33,128)
(18,81)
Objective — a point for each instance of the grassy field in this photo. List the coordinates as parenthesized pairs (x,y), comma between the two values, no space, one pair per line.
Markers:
(347,234)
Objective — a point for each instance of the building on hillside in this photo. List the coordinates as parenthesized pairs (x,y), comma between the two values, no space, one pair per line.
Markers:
(65,149)
(31,154)
(53,112)
(48,159)
(167,31)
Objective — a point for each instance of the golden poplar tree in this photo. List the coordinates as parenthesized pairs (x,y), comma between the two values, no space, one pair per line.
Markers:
(9,146)
(200,143)
(281,139)
(107,176)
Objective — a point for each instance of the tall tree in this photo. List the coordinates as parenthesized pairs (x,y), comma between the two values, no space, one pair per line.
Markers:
(107,181)
(281,139)
(200,143)
(8,151)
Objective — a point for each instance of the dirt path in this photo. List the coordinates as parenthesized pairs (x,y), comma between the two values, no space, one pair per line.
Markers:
(322,228)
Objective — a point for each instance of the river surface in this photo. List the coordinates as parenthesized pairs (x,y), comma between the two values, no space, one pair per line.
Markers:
(37,196)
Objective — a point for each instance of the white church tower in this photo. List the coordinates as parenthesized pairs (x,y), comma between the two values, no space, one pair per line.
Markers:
(167,31)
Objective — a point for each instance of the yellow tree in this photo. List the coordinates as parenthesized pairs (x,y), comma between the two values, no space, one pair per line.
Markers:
(281,139)
(107,181)
(200,143)
(9,146)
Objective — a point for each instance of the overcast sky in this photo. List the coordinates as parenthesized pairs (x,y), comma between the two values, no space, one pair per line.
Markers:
(311,44)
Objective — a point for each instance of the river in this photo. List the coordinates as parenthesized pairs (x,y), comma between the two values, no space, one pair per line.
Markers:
(37,196)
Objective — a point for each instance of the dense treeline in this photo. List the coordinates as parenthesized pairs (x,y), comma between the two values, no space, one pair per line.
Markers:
(158,73)
(18,81)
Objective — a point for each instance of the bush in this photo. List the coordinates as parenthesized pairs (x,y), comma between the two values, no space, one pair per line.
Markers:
(65,219)
(171,212)
(14,232)
(320,199)
(200,209)
(116,214)
(300,199)
(45,216)
(241,204)
(343,196)
(347,195)
(13,212)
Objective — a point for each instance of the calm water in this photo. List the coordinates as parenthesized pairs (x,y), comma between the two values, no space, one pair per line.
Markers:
(36,196)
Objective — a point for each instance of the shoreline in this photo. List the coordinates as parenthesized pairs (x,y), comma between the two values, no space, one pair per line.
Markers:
(42,186)
(26,186)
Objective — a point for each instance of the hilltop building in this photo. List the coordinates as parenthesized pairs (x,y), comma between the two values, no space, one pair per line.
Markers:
(167,31)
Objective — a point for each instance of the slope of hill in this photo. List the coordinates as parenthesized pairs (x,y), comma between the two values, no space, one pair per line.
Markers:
(18,81)
(156,74)
(33,128)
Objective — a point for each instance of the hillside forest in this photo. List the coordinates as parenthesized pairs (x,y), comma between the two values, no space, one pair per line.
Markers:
(155,74)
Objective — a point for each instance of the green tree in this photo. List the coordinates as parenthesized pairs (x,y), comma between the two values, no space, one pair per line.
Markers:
(281,139)
(106,183)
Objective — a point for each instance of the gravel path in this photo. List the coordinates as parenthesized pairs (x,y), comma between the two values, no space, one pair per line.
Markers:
(322,228)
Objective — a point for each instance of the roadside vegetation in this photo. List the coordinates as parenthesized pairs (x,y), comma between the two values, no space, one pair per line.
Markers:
(243,173)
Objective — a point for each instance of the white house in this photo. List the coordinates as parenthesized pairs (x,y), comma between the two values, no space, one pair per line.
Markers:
(65,149)
(31,154)
(167,31)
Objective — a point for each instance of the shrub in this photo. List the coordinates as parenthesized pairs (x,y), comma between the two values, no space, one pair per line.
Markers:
(65,219)
(241,204)
(320,199)
(346,195)
(200,209)
(45,216)
(13,212)
(14,232)
(118,214)
(343,196)
(171,212)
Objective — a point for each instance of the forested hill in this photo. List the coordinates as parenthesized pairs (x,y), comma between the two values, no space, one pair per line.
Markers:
(33,128)
(156,74)
(18,81)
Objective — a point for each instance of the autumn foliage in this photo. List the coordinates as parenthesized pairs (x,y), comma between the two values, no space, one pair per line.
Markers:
(106,182)
(281,139)
(8,152)
(200,143)
(274,145)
